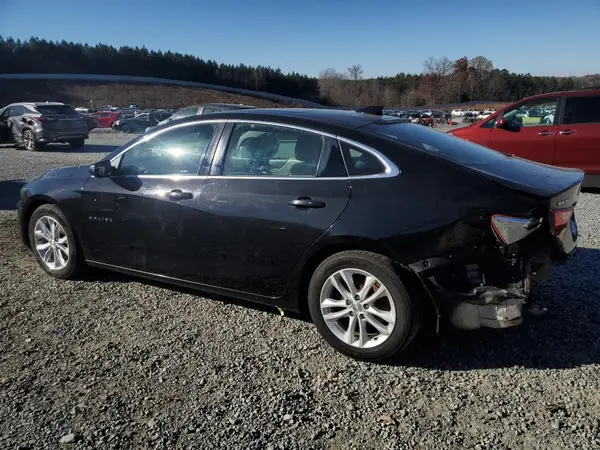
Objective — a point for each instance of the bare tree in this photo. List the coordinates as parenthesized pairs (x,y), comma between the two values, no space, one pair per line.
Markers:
(438,71)
(331,83)
(479,70)
(355,72)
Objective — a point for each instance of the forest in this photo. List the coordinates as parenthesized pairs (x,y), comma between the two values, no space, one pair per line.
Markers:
(442,80)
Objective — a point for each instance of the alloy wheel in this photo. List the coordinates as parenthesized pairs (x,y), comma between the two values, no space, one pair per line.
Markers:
(357,308)
(28,140)
(51,243)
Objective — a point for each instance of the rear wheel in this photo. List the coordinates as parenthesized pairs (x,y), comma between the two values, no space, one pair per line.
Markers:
(29,141)
(77,143)
(53,243)
(360,306)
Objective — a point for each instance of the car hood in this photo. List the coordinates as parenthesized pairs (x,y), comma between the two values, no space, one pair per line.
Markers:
(66,172)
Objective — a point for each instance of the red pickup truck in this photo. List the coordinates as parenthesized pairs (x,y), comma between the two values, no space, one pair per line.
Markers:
(560,129)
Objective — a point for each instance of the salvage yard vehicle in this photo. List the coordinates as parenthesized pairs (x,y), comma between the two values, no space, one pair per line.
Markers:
(33,125)
(365,223)
(140,122)
(195,110)
(560,128)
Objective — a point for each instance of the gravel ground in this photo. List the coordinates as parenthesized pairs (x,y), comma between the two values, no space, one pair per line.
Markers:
(114,362)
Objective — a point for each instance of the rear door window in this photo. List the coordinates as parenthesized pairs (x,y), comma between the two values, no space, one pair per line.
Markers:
(584,109)
(276,151)
(18,110)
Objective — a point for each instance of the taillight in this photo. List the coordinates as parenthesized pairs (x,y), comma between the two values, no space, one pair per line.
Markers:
(510,229)
(44,119)
(559,219)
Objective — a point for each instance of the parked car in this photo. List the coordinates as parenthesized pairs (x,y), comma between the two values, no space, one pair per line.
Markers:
(106,119)
(457,113)
(195,110)
(140,122)
(33,125)
(269,205)
(90,121)
(529,129)
(82,109)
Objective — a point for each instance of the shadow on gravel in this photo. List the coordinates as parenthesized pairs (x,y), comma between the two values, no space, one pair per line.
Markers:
(566,337)
(102,275)
(65,148)
(88,148)
(9,193)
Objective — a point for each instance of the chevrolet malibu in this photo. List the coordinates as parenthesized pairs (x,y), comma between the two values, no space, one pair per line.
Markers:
(363,223)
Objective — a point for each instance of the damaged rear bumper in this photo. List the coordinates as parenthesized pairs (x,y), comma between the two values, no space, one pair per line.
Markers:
(492,292)
(489,307)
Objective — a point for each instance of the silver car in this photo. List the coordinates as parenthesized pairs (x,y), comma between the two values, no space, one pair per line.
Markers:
(33,125)
(205,108)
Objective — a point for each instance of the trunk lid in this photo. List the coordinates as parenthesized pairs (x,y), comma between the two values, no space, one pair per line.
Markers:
(559,186)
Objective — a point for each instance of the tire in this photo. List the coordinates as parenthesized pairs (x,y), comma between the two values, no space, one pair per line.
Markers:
(29,141)
(126,129)
(74,262)
(407,313)
(77,144)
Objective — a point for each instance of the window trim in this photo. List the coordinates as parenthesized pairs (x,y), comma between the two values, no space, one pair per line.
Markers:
(391,170)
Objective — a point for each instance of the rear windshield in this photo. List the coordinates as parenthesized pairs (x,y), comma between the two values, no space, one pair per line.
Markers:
(441,144)
(55,109)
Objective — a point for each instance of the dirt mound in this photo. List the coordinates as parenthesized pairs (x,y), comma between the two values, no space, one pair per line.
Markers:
(120,94)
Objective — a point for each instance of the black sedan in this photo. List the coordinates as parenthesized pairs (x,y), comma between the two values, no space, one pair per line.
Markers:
(139,123)
(364,223)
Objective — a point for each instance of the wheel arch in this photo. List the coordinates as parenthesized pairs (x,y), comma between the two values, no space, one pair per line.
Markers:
(412,282)
(32,204)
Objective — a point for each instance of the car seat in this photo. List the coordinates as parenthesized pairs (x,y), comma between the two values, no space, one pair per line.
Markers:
(307,151)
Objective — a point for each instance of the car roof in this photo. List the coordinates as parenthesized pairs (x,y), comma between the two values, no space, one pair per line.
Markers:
(37,103)
(312,117)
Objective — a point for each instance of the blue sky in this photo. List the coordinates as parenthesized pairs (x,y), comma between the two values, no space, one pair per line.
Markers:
(542,37)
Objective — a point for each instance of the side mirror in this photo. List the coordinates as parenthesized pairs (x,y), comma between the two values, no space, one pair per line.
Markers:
(102,169)
(508,125)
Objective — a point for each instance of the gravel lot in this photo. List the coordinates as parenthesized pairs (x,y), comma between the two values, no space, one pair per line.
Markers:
(114,362)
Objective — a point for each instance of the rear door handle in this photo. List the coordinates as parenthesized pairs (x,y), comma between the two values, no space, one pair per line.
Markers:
(178,194)
(307,202)
(545,133)
(567,132)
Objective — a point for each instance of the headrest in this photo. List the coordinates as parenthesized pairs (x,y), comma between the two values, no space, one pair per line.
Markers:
(308,147)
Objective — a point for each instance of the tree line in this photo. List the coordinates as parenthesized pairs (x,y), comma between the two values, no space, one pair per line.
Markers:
(41,56)
(442,80)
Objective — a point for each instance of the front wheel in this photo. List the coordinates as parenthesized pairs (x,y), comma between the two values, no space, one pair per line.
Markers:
(126,129)
(53,242)
(360,306)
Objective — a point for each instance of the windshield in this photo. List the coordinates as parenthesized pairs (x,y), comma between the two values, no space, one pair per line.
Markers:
(55,109)
(441,144)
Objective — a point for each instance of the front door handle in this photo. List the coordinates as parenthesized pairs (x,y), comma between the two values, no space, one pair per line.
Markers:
(567,132)
(307,202)
(178,194)
(545,133)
